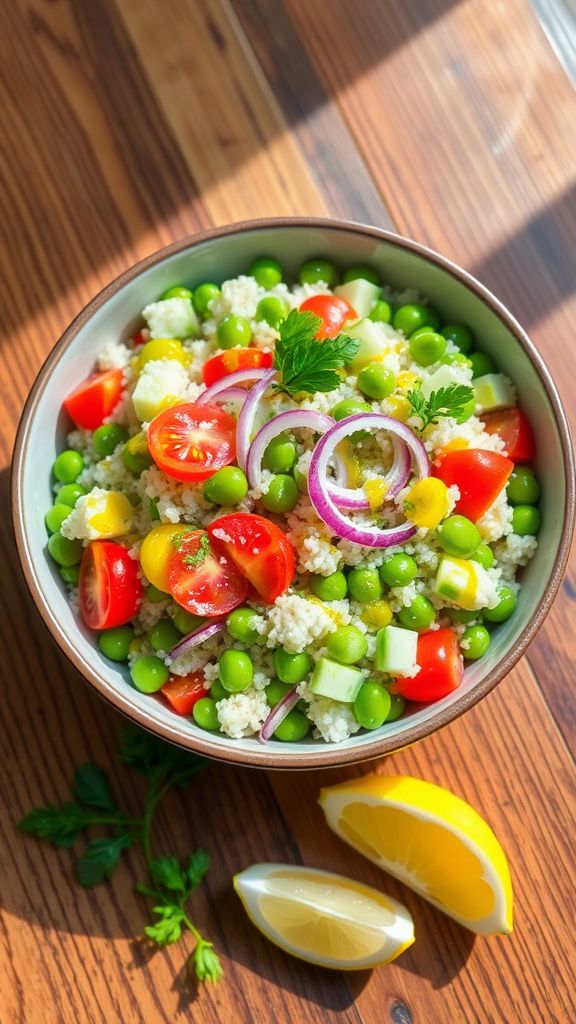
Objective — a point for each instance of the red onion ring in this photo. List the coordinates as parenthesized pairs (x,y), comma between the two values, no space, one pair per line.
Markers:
(198,636)
(318,489)
(232,395)
(247,416)
(395,479)
(290,420)
(230,380)
(278,714)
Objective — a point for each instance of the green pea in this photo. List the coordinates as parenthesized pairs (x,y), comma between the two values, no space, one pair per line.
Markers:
(483,555)
(316,270)
(503,610)
(163,635)
(399,570)
(381,313)
(205,715)
(149,674)
(291,668)
(282,494)
(115,643)
(427,347)
(267,272)
(351,407)
(419,615)
(234,331)
(455,359)
(69,494)
(136,454)
(397,705)
(63,551)
(240,625)
(376,381)
(361,270)
(474,642)
(275,690)
(70,574)
(204,294)
(178,291)
(236,671)
(372,705)
(523,487)
(55,516)
(410,317)
(458,536)
(217,691)
(107,438)
(460,615)
(281,454)
(481,364)
(272,309)
(459,335)
(68,466)
(227,486)
(154,595)
(364,584)
(184,621)
(525,520)
(347,644)
(293,728)
(330,588)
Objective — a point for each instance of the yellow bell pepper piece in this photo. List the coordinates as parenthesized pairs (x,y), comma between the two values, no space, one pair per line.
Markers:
(109,514)
(427,503)
(157,548)
(400,408)
(161,348)
(378,614)
(406,380)
(375,491)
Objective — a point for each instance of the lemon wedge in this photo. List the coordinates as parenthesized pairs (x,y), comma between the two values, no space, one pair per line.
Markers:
(323,918)
(431,840)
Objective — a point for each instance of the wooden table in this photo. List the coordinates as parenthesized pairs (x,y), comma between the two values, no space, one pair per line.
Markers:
(129,123)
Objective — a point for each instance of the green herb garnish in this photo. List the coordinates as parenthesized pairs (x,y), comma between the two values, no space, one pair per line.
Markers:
(198,556)
(170,882)
(450,401)
(303,362)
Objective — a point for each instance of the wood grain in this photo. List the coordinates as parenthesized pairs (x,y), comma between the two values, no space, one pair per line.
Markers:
(126,124)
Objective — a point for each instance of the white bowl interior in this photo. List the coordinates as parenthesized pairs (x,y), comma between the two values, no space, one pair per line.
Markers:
(216,260)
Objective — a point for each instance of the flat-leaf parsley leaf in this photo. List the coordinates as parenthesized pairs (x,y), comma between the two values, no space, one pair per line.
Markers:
(449,401)
(303,362)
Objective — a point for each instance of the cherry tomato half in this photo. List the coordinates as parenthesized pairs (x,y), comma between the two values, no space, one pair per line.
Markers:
(479,475)
(90,404)
(109,588)
(190,442)
(332,310)
(260,551)
(441,668)
(202,577)
(235,359)
(182,692)
(512,426)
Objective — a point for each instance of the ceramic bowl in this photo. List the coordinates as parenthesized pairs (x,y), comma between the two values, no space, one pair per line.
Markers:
(223,253)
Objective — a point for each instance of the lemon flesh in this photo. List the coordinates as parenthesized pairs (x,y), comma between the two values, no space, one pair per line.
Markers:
(431,840)
(324,918)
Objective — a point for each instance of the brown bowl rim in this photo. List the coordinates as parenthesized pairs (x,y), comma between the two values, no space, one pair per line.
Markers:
(323,756)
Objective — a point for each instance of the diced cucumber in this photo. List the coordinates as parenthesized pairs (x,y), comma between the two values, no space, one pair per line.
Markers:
(158,387)
(493,391)
(340,682)
(374,342)
(443,377)
(465,583)
(396,650)
(361,295)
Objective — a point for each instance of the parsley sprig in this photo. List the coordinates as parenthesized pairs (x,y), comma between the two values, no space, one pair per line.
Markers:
(170,882)
(449,401)
(303,362)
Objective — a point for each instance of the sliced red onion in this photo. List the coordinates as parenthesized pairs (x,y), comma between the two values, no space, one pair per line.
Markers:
(229,381)
(395,479)
(278,714)
(247,417)
(235,396)
(293,419)
(318,487)
(197,637)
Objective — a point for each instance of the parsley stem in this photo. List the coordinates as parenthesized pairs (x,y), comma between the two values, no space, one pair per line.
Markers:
(192,928)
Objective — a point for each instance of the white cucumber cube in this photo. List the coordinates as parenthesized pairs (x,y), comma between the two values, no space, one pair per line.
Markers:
(465,584)
(443,377)
(396,650)
(493,391)
(361,294)
(374,343)
(340,682)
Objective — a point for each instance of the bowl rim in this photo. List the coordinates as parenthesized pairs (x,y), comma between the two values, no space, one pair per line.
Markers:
(327,755)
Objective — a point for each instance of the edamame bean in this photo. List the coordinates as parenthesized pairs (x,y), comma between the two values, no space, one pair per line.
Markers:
(115,643)
(227,486)
(293,728)
(474,642)
(397,705)
(282,494)
(281,454)
(107,438)
(149,674)
(156,596)
(205,714)
(376,381)
(360,270)
(291,668)
(184,621)
(459,335)
(64,551)
(399,570)
(364,584)
(217,691)
(525,520)
(274,692)
(163,635)
(458,536)
(330,588)
(68,466)
(316,270)
(410,317)
(55,516)
(483,555)
(481,364)
(349,407)
(69,494)
(267,272)
(523,487)
(272,309)
(240,625)
(419,615)
(204,294)
(136,454)
(505,607)
(427,347)
(234,331)
(178,291)
(460,615)
(236,671)
(381,313)
(70,574)
(347,645)
(372,705)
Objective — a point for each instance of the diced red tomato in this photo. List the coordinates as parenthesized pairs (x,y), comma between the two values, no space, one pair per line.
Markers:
(90,404)
(138,340)
(109,588)
(332,310)
(260,551)
(512,426)
(441,668)
(479,475)
(203,578)
(235,359)
(190,442)
(182,692)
